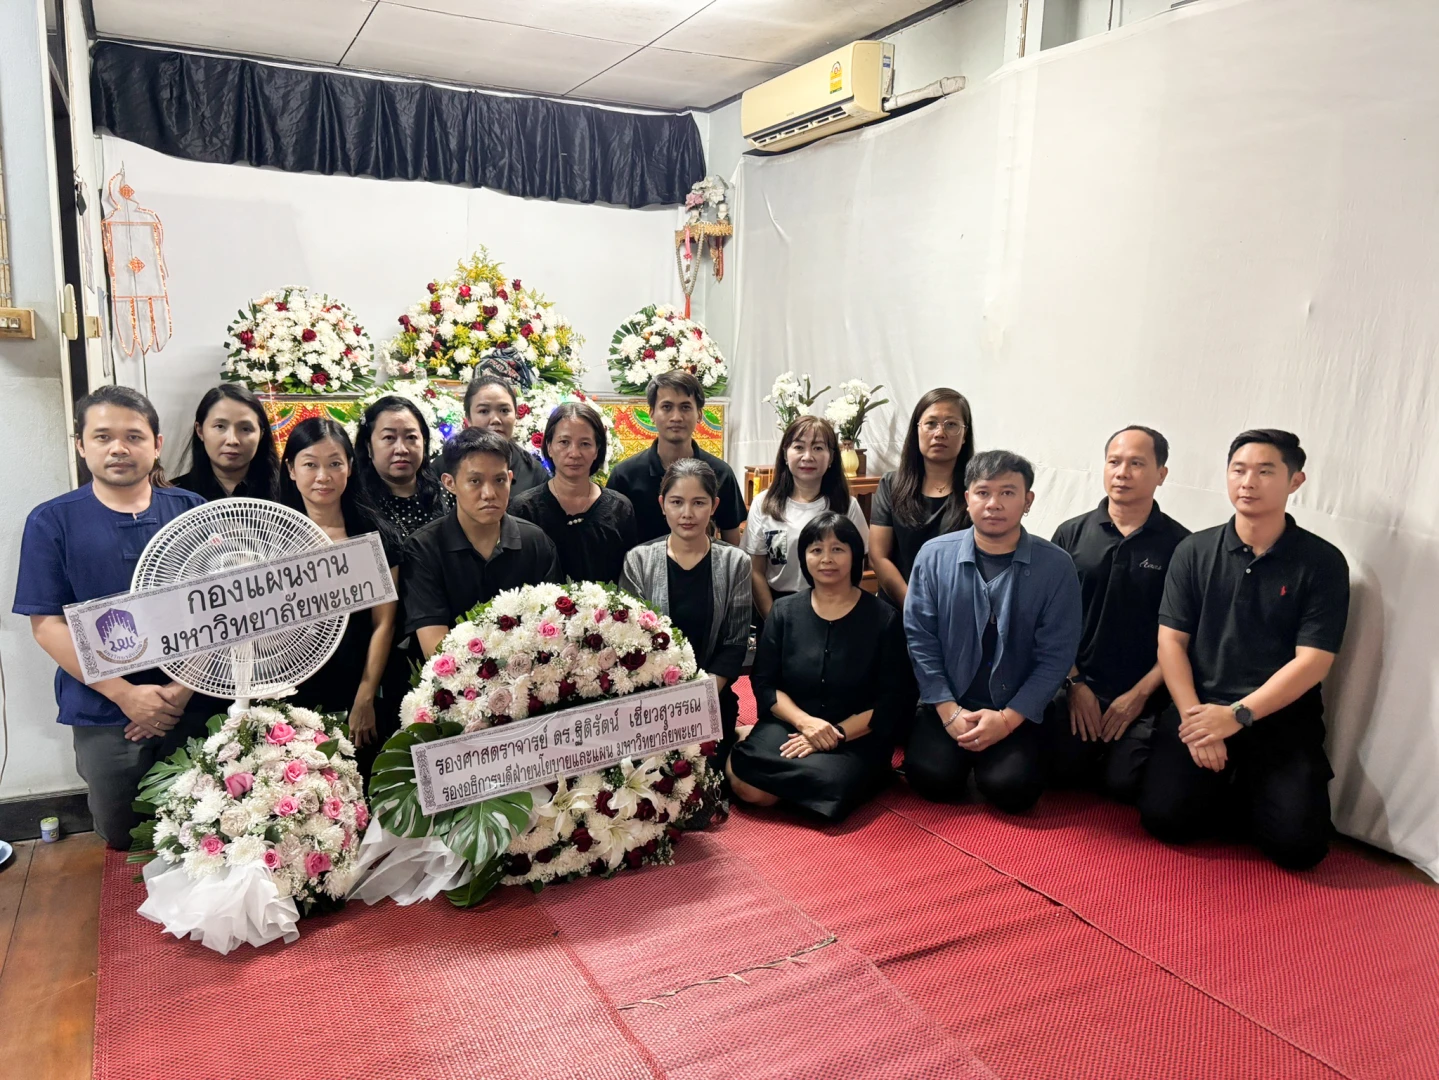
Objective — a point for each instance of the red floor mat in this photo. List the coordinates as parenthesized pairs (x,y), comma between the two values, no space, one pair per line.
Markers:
(1342,961)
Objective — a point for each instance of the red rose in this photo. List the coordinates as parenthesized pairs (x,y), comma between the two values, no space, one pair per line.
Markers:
(568,688)
(464,292)
(489,311)
(522,410)
(347,353)
(665,784)
(526,331)
(602,803)
(543,657)
(489,669)
(359,329)
(477,326)
(669,343)
(651,847)
(565,606)
(691,369)
(599,867)
(307,334)
(246,338)
(502,294)
(436,307)
(535,704)
(649,354)
(632,661)
(694,798)
(606,683)
(282,306)
(664,816)
(681,768)
(582,840)
(661,640)
(674,834)
(319,378)
(501,720)
(517,865)
(443,698)
(709,749)
(432,286)
(634,859)
(620,614)
(430,393)
(594,641)
(645,810)
(508,622)
(537,439)
(545,856)
(516,284)
(699,334)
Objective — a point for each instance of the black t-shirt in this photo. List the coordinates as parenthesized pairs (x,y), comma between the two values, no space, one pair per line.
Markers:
(208,488)
(592,544)
(909,538)
(443,576)
(1246,615)
(692,599)
(1121,580)
(639,478)
(530,471)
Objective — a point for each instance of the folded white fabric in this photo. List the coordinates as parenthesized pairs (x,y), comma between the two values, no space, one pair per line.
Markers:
(237,906)
(405,870)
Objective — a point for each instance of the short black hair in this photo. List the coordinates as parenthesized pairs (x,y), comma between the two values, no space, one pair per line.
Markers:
(578,410)
(1286,442)
(988,464)
(473,441)
(481,381)
(1161,444)
(682,381)
(122,397)
(842,529)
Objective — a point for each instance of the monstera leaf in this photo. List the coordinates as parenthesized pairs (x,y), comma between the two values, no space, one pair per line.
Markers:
(394,795)
(162,776)
(480,886)
(483,830)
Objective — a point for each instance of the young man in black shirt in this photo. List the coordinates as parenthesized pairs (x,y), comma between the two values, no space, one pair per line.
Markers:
(475,551)
(1253,615)
(1099,727)
(675,399)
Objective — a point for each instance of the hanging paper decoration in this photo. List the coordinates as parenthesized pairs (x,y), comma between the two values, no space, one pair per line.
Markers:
(706,224)
(134,256)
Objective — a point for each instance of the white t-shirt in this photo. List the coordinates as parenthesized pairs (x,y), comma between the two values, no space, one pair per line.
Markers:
(777,538)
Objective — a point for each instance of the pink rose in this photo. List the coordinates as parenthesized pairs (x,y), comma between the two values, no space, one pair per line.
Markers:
(601,614)
(321,737)
(212,845)
(519,665)
(607,658)
(501,701)
(239,783)
(549,630)
(444,665)
(330,774)
(476,647)
(422,716)
(471,693)
(272,859)
(316,863)
(648,620)
(672,675)
(362,815)
(296,771)
(332,808)
(287,806)
(280,734)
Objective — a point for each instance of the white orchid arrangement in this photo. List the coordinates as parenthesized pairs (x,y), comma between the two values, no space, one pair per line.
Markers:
(848,411)
(791,396)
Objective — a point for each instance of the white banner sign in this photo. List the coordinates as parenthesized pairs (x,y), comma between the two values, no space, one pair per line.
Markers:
(116,635)
(515,757)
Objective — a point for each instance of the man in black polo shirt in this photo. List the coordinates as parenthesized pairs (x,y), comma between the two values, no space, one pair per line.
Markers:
(1253,614)
(1099,728)
(675,399)
(476,550)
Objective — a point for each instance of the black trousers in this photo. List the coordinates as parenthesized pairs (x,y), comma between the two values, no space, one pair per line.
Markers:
(1008,774)
(1274,790)
(1112,767)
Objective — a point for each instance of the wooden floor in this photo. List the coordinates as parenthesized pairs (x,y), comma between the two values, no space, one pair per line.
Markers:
(49,941)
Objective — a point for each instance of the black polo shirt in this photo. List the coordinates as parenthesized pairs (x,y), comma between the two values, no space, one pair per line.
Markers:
(443,576)
(639,478)
(1246,615)
(1121,582)
(530,471)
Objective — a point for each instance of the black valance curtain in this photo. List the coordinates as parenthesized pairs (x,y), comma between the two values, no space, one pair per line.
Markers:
(229,111)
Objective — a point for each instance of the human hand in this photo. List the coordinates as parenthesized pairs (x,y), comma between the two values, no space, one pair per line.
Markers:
(1122,712)
(1205,725)
(820,733)
(1212,756)
(362,721)
(1084,718)
(987,727)
(177,694)
(149,707)
(135,733)
(796,746)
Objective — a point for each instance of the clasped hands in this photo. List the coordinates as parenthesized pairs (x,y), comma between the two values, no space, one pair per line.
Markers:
(977,729)
(152,709)
(813,734)
(1204,729)
(1087,721)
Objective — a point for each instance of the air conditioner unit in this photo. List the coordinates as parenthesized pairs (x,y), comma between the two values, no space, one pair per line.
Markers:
(837,92)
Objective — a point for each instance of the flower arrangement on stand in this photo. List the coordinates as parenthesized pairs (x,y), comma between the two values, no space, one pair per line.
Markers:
(253,827)
(478,311)
(657,339)
(790,396)
(534,650)
(443,411)
(294,341)
(532,413)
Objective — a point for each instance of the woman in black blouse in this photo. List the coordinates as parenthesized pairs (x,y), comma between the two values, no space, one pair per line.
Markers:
(831,681)
(924,497)
(318,481)
(593,527)
(392,464)
(232,448)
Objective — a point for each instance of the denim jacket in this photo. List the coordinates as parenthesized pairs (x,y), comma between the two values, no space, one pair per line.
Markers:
(1040,621)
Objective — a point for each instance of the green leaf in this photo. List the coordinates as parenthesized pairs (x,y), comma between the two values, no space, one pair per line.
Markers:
(162,776)
(140,806)
(215,723)
(273,834)
(479,886)
(483,831)
(142,838)
(140,858)
(394,794)
(328,747)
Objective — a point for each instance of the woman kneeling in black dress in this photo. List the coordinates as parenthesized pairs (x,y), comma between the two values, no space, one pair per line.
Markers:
(831,679)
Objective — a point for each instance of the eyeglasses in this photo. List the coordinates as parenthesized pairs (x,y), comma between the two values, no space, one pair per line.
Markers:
(934,427)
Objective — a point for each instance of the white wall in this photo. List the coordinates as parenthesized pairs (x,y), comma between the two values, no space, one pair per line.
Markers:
(40,755)
(1190,223)
(232,231)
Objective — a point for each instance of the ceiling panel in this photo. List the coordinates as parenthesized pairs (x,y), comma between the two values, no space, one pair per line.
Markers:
(785,31)
(637,22)
(666,79)
(444,46)
(319,30)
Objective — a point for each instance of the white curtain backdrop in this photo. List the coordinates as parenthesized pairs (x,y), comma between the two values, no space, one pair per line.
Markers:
(232,231)
(1221,218)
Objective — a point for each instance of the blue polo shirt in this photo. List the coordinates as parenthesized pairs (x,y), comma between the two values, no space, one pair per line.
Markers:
(76,548)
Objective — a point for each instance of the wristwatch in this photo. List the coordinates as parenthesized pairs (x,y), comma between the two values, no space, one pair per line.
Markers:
(1242,714)
(840,731)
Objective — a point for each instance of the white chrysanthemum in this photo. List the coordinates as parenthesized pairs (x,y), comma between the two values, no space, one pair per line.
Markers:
(247,850)
(185,783)
(198,864)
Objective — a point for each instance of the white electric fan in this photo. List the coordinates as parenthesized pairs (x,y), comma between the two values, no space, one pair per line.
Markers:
(227,535)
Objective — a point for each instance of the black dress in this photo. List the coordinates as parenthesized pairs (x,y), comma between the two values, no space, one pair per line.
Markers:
(209,489)
(831,670)
(593,543)
(908,539)
(405,515)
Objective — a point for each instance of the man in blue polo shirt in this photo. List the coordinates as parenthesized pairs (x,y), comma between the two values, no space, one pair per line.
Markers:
(993,617)
(84,545)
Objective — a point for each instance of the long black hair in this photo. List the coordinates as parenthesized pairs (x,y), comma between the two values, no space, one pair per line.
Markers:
(906,495)
(833,487)
(427,485)
(360,516)
(262,479)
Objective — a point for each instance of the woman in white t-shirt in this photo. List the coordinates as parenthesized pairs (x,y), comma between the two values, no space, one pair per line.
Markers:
(808,480)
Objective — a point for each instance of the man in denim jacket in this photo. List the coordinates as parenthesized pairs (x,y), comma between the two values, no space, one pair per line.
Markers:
(994,620)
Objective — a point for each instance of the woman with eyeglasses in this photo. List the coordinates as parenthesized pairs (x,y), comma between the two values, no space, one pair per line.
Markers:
(924,497)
